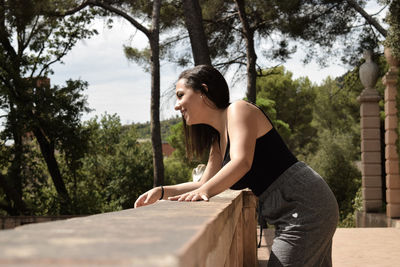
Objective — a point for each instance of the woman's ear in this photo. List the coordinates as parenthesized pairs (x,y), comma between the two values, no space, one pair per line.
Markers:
(205,87)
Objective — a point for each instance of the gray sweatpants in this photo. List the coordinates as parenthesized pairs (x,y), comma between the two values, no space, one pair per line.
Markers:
(304,212)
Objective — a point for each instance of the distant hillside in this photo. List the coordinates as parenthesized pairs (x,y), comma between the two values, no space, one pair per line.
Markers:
(143,129)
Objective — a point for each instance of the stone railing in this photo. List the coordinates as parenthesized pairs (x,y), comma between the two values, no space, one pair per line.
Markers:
(221,232)
(9,222)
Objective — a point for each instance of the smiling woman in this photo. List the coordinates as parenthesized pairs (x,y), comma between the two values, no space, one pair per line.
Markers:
(246,151)
(201,92)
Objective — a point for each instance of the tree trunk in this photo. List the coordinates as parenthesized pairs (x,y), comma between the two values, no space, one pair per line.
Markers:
(47,150)
(194,24)
(153,36)
(19,205)
(155,127)
(367,17)
(14,174)
(248,34)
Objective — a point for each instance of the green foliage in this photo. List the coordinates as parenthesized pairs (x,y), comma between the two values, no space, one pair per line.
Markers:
(350,219)
(336,115)
(321,126)
(178,168)
(31,41)
(337,108)
(290,104)
(141,57)
(393,19)
(176,171)
(334,161)
(143,129)
(35,183)
(112,172)
(280,27)
(116,169)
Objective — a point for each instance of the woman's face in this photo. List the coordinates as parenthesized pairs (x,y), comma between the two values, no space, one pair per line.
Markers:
(189,102)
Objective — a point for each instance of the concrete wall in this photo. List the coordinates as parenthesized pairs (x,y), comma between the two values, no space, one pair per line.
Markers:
(221,232)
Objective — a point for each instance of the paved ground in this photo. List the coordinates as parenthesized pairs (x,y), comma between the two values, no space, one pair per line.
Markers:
(354,247)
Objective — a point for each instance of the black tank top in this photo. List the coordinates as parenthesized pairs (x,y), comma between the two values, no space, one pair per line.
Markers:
(271,158)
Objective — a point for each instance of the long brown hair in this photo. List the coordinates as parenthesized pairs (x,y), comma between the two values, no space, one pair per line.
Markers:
(200,137)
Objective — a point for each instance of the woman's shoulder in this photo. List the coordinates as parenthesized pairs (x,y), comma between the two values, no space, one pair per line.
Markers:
(245,112)
(242,110)
(241,106)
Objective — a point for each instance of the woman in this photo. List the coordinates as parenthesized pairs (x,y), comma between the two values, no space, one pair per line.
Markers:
(247,152)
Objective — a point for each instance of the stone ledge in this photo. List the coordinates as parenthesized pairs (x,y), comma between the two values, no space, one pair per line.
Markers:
(156,235)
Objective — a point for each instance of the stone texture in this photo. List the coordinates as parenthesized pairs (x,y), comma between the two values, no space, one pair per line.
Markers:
(370,122)
(393,210)
(372,205)
(372,193)
(392,166)
(164,234)
(393,181)
(391,125)
(371,169)
(370,134)
(390,81)
(390,137)
(393,196)
(372,181)
(391,152)
(369,109)
(390,108)
(371,157)
(371,145)
(390,122)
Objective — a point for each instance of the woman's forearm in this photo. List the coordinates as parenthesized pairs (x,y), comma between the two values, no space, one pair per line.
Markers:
(173,190)
(226,177)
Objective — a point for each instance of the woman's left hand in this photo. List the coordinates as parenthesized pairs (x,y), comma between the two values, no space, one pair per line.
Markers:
(194,195)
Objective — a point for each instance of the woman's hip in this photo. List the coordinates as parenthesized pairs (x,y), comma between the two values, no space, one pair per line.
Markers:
(299,196)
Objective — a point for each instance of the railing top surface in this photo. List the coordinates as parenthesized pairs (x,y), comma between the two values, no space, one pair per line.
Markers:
(149,236)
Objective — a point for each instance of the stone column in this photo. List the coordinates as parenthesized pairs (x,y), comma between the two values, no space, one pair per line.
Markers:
(371,168)
(391,126)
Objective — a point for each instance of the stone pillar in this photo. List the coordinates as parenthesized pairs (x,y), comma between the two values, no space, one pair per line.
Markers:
(391,126)
(371,168)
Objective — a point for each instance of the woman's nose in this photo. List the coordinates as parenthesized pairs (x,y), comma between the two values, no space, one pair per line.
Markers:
(177,105)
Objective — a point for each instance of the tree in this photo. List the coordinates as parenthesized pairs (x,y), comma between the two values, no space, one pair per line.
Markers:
(248,35)
(336,116)
(292,103)
(116,169)
(152,33)
(30,42)
(198,39)
(233,27)
(334,161)
(367,17)
(393,19)
(392,35)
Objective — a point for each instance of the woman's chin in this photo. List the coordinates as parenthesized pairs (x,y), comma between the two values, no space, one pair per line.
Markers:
(189,122)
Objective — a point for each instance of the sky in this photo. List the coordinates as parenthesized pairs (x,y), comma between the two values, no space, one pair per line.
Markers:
(117,86)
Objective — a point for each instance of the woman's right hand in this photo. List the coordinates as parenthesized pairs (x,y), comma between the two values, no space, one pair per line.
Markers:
(148,197)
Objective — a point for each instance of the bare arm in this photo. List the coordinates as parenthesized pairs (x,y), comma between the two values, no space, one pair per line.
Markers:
(213,166)
(243,129)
